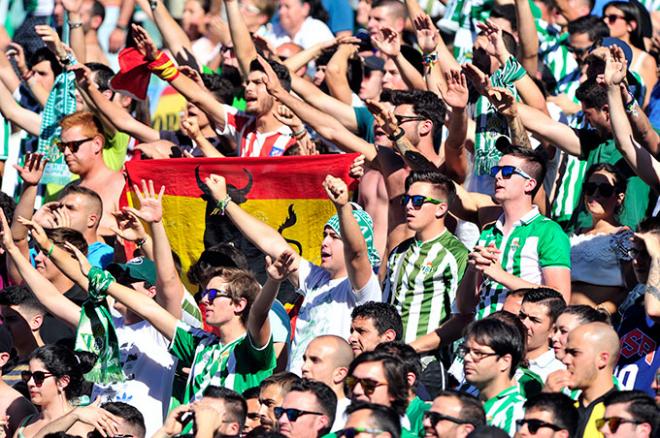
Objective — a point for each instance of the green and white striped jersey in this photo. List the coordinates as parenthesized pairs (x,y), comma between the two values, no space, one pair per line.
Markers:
(5,133)
(504,409)
(422,279)
(535,242)
(470,12)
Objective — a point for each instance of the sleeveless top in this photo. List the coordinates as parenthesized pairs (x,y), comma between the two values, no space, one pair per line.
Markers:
(596,259)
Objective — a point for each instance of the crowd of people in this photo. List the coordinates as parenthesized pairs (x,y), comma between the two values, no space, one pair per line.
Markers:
(495,272)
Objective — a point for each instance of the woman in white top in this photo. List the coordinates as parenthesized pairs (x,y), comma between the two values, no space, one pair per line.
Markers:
(624,21)
(599,255)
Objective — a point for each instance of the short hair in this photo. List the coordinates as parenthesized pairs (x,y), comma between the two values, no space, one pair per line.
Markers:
(223,86)
(44,54)
(502,337)
(560,406)
(591,94)
(395,375)
(424,103)
(266,7)
(587,314)
(22,296)
(641,407)
(285,380)
(234,403)
(397,7)
(510,42)
(547,297)
(251,393)
(98,10)
(411,359)
(591,25)
(325,396)
(8,206)
(631,12)
(535,163)
(439,181)
(240,284)
(93,197)
(90,124)
(102,74)
(129,414)
(60,236)
(222,255)
(383,315)
(384,418)
(472,409)
(280,70)
(508,13)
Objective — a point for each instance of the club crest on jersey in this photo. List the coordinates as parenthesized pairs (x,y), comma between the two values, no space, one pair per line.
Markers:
(427,267)
(515,244)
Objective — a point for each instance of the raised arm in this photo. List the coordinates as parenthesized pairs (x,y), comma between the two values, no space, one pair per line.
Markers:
(118,36)
(528,37)
(433,49)
(267,239)
(7,74)
(298,60)
(387,41)
(651,241)
(21,117)
(336,73)
(546,129)
(244,47)
(456,96)
(503,101)
(356,253)
(76,32)
(92,415)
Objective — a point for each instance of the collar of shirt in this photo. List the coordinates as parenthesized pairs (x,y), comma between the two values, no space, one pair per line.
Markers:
(525,220)
(543,360)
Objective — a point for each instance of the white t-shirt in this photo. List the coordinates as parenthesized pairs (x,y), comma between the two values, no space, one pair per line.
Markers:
(340,414)
(546,364)
(149,369)
(327,307)
(311,32)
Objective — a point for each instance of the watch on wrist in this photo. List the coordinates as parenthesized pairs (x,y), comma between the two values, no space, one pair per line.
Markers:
(396,136)
(74,25)
(121,27)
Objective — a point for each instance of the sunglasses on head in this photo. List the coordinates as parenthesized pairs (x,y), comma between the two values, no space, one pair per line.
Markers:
(419,200)
(368,385)
(292,414)
(352,432)
(605,190)
(37,376)
(508,172)
(435,417)
(72,145)
(212,294)
(534,425)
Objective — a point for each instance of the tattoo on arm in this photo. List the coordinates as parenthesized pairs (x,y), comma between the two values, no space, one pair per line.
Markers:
(519,133)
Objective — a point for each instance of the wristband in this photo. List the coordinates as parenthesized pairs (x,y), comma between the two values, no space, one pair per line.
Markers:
(430,59)
(163,67)
(50,250)
(631,107)
(221,206)
(300,134)
(140,242)
(397,135)
(153,4)
(75,25)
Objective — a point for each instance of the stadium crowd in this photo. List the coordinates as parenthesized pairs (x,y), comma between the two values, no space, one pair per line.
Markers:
(492,268)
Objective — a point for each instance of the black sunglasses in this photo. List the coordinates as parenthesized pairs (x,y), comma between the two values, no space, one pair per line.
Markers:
(579,52)
(605,190)
(72,145)
(352,432)
(534,425)
(418,200)
(613,423)
(403,119)
(612,18)
(436,417)
(38,376)
(368,385)
(292,414)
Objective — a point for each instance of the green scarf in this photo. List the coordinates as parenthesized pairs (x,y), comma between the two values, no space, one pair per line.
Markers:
(366,226)
(96,332)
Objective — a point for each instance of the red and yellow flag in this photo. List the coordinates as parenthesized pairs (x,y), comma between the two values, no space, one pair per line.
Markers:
(284,192)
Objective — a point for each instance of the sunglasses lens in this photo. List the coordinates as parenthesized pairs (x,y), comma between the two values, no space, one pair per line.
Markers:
(507,171)
(417,201)
(533,426)
(606,190)
(494,170)
(26,376)
(279,411)
(404,200)
(614,424)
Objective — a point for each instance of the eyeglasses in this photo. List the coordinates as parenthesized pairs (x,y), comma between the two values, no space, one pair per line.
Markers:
(292,414)
(368,385)
(611,18)
(403,119)
(212,294)
(37,376)
(435,417)
(613,423)
(605,190)
(579,52)
(72,145)
(477,356)
(419,200)
(352,432)
(534,425)
(508,171)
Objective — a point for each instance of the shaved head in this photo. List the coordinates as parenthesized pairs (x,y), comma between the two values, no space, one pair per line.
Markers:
(343,354)
(326,360)
(601,337)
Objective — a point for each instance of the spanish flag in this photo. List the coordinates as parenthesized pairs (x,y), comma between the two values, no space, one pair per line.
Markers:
(284,192)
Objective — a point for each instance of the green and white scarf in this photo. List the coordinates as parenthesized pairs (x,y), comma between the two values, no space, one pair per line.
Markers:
(96,332)
(366,226)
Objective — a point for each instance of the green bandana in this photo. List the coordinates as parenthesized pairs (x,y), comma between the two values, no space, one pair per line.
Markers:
(366,226)
(96,332)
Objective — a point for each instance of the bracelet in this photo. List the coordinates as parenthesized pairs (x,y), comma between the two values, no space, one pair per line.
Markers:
(430,59)
(75,25)
(631,108)
(140,242)
(221,206)
(300,134)
(153,4)
(397,135)
(50,250)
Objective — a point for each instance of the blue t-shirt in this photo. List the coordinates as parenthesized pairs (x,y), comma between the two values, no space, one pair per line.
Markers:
(340,15)
(100,254)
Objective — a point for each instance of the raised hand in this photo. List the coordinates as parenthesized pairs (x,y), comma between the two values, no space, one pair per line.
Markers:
(271,81)
(616,68)
(427,34)
(336,190)
(497,47)
(72,5)
(282,267)
(190,127)
(478,78)
(85,266)
(7,238)
(173,425)
(144,43)
(307,146)
(83,75)
(52,40)
(457,93)
(128,226)
(104,422)
(387,41)
(117,40)
(193,74)
(36,230)
(383,117)
(15,51)
(217,185)
(33,169)
(151,204)
(62,218)
(652,242)
(287,117)
(503,100)
(357,167)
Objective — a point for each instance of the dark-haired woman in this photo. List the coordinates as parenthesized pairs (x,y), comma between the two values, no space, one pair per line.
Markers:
(599,256)
(54,380)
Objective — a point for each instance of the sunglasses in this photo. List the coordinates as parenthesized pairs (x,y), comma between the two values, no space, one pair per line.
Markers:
(534,425)
(418,200)
(403,119)
(579,52)
(612,18)
(605,190)
(212,294)
(508,171)
(352,432)
(37,376)
(613,423)
(435,417)
(72,145)
(368,385)
(292,414)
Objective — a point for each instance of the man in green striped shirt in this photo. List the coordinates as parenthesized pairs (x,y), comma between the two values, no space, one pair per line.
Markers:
(522,249)
(423,272)
(492,352)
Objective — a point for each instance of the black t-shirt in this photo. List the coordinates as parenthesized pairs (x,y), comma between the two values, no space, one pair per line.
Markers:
(53,329)
(185,144)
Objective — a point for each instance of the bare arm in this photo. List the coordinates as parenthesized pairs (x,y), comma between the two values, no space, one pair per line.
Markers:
(21,117)
(244,47)
(7,74)
(555,133)
(456,96)
(387,41)
(76,35)
(643,131)
(503,101)
(301,59)
(336,73)
(190,127)
(528,37)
